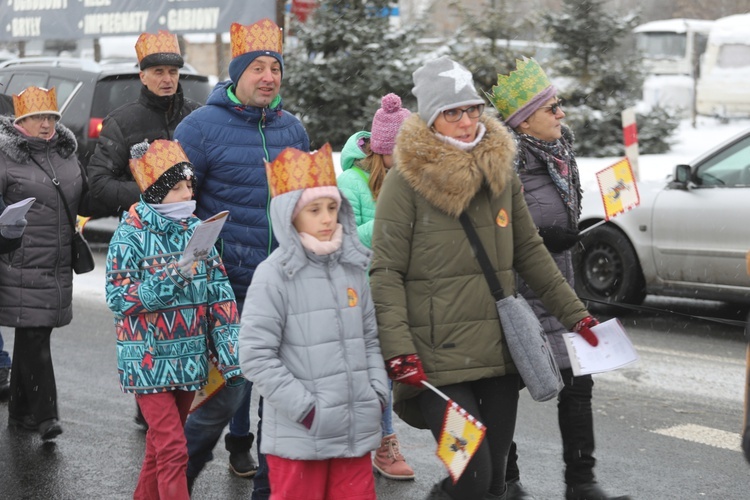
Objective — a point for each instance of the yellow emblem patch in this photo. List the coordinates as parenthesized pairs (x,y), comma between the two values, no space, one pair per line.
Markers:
(352,295)
(502,218)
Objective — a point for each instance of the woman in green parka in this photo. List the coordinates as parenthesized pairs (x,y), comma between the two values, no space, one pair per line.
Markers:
(437,319)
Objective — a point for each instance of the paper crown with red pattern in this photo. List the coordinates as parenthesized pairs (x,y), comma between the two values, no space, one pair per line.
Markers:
(35,101)
(155,50)
(162,166)
(263,38)
(294,169)
(264,35)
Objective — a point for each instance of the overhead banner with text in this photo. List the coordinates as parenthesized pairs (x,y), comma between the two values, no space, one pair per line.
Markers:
(74,19)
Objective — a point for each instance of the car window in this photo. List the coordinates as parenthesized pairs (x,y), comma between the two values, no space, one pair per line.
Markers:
(196,90)
(112,93)
(728,168)
(20,81)
(64,89)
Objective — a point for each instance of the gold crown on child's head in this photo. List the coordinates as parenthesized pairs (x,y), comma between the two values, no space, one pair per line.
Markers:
(160,157)
(294,169)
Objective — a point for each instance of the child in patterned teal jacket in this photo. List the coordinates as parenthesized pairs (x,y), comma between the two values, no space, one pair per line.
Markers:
(170,317)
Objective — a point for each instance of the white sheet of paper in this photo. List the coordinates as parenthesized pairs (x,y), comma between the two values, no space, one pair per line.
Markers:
(614,350)
(203,239)
(15,212)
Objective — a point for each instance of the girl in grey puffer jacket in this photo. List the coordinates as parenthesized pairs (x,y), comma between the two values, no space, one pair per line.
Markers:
(308,338)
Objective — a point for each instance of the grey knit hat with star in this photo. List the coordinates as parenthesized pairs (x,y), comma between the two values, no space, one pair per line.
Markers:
(443,84)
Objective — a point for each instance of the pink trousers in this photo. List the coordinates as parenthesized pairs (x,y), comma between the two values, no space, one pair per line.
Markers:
(163,471)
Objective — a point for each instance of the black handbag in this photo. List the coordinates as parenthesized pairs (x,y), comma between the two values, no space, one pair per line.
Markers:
(82,257)
(524,334)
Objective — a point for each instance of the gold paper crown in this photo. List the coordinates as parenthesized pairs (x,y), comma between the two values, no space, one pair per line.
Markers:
(294,169)
(263,35)
(162,42)
(35,101)
(160,157)
(519,87)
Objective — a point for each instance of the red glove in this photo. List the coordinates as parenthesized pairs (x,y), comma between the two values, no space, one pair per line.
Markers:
(308,420)
(583,328)
(406,369)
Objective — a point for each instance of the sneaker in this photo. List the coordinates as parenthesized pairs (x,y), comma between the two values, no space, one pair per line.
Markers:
(516,491)
(389,461)
(241,463)
(4,384)
(589,491)
(50,429)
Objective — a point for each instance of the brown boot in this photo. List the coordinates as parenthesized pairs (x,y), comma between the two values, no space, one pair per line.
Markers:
(390,462)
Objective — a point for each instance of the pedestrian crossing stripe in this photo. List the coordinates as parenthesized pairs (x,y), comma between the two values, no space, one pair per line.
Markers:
(703,435)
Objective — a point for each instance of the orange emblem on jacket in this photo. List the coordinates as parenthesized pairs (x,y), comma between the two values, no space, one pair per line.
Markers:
(352,295)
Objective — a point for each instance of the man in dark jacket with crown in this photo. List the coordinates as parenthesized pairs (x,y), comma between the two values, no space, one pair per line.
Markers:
(155,115)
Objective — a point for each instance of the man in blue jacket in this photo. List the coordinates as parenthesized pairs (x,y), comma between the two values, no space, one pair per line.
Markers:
(228,140)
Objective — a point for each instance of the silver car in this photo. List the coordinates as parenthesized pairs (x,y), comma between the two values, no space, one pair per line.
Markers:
(688,237)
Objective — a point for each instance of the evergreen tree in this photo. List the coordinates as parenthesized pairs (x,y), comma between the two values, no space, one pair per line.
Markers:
(483,42)
(601,78)
(343,60)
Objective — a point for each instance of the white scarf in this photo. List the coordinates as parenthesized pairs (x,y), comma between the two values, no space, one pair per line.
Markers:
(318,247)
(464,146)
(175,211)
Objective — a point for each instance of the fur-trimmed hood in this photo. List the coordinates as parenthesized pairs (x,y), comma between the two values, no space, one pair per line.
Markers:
(448,177)
(18,146)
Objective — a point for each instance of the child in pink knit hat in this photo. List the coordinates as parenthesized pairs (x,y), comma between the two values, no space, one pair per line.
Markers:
(385,124)
(365,159)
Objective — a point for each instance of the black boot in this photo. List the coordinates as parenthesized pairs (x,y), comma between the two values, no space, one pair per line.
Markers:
(438,493)
(589,491)
(516,491)
(576,420)
(4,384)
(139,419)
(240,460)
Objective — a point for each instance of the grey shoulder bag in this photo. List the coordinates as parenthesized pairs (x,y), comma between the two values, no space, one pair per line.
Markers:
(525,336)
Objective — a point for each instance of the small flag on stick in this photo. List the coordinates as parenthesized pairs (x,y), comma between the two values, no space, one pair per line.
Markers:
(460,437)
(214,385)
(618,188)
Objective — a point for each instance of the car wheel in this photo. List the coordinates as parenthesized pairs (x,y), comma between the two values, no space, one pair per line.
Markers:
(608,269)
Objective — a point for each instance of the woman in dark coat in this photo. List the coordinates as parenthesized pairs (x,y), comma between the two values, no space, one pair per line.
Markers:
(36,282)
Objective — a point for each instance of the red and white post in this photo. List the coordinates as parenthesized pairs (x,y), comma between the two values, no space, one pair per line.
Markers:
(630,136)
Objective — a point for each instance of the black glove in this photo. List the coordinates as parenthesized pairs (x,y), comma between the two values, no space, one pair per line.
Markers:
(558,239)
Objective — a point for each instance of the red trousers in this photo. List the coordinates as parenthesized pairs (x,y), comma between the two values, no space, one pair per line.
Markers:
(332,479)
(165,464)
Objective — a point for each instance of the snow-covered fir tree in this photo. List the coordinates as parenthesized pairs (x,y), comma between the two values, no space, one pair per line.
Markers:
(599,77)
(341,62)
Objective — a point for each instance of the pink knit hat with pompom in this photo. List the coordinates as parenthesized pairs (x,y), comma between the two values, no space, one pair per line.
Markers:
(385,124)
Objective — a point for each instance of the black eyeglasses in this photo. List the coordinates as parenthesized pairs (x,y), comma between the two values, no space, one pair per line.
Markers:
(454,115)
(554,108)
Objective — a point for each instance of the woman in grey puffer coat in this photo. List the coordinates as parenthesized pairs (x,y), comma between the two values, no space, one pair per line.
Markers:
(36,282)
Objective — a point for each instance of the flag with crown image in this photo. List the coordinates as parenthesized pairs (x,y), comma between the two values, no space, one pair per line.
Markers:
(264,35)
(35,101)
(294,169)
(459,438)
(618,188)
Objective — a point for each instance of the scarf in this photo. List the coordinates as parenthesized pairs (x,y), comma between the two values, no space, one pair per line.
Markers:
(175,211)
(562,167)
(318,247)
